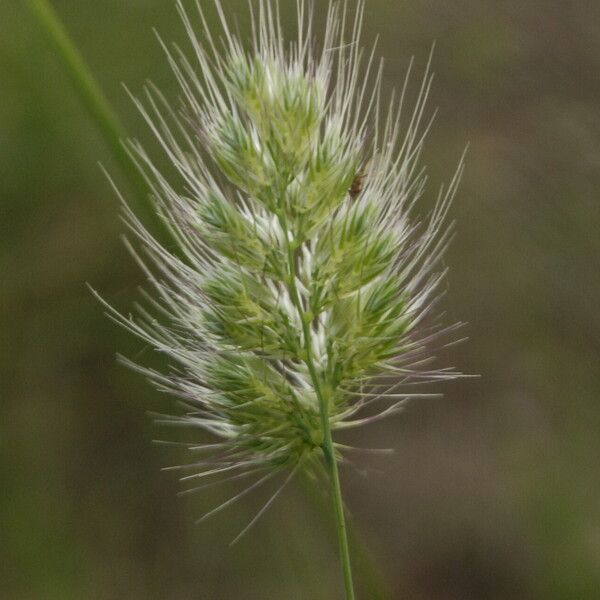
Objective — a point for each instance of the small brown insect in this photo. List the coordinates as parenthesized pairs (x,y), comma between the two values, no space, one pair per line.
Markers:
(357,184)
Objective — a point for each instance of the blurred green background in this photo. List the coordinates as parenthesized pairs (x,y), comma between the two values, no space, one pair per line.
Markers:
(494,491)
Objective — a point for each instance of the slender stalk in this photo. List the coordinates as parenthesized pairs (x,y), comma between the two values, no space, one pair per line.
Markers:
(338,507)
(327,444)
(329,453)
(367,572)
(92,97)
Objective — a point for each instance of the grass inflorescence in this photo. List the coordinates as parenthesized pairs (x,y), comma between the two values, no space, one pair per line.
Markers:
(293,307)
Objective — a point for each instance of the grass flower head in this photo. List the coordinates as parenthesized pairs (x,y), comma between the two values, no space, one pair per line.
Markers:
(294,307)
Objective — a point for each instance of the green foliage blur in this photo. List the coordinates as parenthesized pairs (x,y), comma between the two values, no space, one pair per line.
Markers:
(493,492)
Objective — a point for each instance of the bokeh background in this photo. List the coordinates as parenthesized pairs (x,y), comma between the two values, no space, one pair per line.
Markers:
(494,491)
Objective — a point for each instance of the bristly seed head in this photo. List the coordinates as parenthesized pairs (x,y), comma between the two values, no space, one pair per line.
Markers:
(301,269)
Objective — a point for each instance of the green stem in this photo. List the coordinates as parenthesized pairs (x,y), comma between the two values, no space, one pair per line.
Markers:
(92,97)
(338,504)
(368,574)
(327,444)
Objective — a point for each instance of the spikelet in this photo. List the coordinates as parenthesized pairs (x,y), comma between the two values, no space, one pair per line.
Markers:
(302,278)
